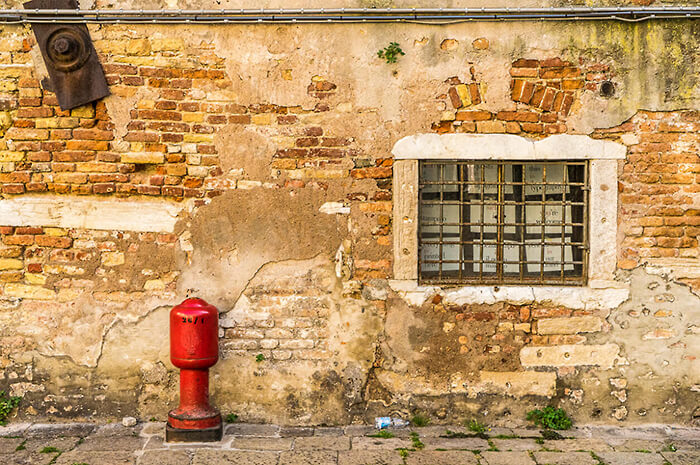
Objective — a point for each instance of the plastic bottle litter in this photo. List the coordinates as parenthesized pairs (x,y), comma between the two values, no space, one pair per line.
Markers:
(385,422)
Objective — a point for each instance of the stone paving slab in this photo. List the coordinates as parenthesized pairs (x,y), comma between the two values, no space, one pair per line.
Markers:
(682,458)
(379,443)
(309,458)
(573,445)
(322,443)
(244,429)
(369,457)
(96,458)
(115,443)
(442,458)
(216,457)
(27,458)
(295,431)
(455,443)
(516,444)
(250,443)
(631,458)
(506,458)
(564,458)
(633,445)
(14,429)
(44,430)
(9,445)
(165,457)
(328,431)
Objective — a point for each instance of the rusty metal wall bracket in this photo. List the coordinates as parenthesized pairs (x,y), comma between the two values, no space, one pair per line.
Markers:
(76,75)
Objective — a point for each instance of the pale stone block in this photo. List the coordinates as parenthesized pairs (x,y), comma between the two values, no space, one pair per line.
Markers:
(605,356)
(519,383)
(569,325)
(82,213)
(405,223)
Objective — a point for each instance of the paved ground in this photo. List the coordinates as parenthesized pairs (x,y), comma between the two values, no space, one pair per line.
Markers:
(246,444)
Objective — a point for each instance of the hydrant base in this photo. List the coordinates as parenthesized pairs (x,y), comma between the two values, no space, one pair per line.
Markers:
(194,435)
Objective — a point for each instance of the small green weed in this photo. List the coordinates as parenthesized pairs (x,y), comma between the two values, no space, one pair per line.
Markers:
(550,418)
(670,448)
(539,441)
(231,418)
(7,404)
(644,451)
(260,358)
(81,463)
(507,436)
(475,426)
(153,419)
(417,443)
(382,433)
(21,446)
(391,52)
(49,450)
(420,420)
(492,446)
(403,453)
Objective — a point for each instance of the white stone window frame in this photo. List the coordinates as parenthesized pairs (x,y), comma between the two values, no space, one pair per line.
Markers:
(601,290)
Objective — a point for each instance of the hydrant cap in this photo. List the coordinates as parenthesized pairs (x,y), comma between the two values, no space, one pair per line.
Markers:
(194,302)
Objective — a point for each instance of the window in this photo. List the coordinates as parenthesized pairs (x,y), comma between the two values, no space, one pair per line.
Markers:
(503,222)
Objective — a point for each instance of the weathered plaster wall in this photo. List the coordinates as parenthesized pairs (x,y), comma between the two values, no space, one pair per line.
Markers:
(252,166)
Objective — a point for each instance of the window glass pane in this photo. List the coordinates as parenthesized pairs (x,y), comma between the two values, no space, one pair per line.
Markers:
(502,222)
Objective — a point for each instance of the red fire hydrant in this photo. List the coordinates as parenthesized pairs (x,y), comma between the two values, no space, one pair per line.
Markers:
(194,347)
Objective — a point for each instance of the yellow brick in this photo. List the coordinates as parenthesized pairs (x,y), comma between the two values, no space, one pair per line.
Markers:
(193,117)
(263,119)
(142,157)
(146,104)
(198,138)
(7,86)
(31,92)
(11,44)
(7,156)
(33,278)
(161,45)
(55,232)
(29,292)
(464,95)
(325,174)
(138,61)
(86,111)
(138,47)
(111,47)
(112,258)
(11,264)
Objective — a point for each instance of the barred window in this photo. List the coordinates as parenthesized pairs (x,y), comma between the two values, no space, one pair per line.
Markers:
(503,222)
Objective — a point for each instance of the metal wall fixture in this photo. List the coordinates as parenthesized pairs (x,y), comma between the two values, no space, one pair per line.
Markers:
(346,15)
(75,73)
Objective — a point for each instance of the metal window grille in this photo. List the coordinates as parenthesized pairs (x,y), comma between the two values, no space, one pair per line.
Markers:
(503,222)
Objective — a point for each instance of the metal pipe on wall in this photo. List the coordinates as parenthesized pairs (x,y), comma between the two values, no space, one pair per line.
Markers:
(345,15)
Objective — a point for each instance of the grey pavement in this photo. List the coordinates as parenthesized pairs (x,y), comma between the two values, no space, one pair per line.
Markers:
(249,444)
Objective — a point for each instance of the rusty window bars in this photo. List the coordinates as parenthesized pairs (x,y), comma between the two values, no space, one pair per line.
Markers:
(503,222)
